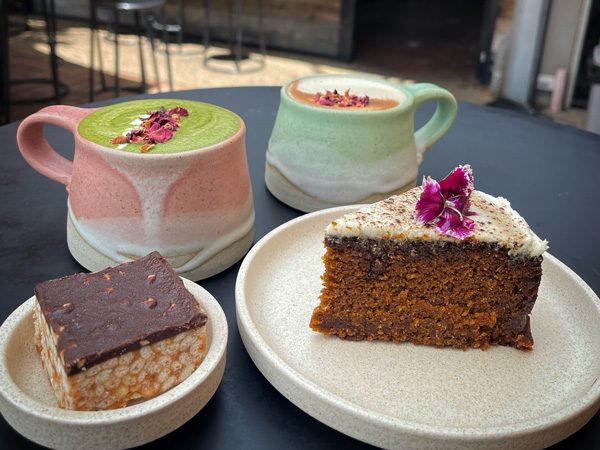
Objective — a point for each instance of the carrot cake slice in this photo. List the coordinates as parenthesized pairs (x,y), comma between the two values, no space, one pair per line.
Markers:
(441,264)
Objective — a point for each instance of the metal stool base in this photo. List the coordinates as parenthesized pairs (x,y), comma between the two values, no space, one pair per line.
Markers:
(60,89)
(237,55)
(245,63)
(138,9)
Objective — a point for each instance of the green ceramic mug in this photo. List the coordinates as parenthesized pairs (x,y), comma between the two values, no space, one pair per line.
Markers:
(322,156)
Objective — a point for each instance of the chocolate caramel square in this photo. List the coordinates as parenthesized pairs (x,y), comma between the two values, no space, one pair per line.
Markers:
(128,332)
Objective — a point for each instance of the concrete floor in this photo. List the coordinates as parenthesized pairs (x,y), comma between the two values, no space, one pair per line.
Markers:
(448,64)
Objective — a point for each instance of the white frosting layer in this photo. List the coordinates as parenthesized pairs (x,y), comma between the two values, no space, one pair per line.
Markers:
(357,85)
(496,222)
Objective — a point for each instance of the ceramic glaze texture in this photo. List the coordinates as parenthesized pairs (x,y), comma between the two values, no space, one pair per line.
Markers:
(193,204)
(188,207)
(334,155)
(339,155)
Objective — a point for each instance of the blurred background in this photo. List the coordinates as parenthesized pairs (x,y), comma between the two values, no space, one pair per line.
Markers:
(531,56)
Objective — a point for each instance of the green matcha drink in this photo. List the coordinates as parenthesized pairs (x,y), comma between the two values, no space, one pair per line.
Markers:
(205,125)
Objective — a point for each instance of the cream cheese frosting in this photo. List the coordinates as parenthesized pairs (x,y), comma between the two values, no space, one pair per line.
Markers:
(394,218)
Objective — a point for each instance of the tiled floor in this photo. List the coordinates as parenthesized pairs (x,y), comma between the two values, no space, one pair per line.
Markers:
(450,65)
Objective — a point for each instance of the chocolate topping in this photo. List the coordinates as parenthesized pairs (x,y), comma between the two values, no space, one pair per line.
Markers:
(100,315)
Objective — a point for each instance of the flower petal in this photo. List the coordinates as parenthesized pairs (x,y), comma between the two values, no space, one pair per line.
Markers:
(341,100)
(161,135)
(458,182)
(155,127)
(179,111)
(120,140)
(447,203)
(450,223)
(431,203)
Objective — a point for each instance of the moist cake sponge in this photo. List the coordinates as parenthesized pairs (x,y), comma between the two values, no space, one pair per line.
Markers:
(389,277)
(125,333)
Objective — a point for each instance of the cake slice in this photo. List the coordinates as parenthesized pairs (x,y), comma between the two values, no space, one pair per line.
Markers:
(467,278)
(121,334)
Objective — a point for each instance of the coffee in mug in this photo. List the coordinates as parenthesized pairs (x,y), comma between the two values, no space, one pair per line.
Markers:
(343,139)
(348,95)
(162,174)
(202,125)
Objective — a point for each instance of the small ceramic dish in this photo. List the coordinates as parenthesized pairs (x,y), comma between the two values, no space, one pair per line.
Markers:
(29,406)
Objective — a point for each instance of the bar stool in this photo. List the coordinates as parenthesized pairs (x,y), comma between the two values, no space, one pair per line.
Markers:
(173,28)
(236,40)
(178,29)
(138,7)
(59,89)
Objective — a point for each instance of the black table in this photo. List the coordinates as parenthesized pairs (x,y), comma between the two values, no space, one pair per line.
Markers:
(550,173)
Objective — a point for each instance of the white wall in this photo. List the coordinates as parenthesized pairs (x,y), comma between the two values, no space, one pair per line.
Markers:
(563,38)
(521,68)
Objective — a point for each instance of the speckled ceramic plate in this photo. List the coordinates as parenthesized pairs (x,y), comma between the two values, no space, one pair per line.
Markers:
(402,395)
(28,404)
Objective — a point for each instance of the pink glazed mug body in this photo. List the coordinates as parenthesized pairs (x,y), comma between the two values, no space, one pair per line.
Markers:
(195,207)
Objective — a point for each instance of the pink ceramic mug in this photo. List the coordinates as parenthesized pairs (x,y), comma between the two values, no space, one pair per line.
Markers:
(189,198)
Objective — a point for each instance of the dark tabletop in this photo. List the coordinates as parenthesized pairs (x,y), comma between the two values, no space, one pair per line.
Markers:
(549,172)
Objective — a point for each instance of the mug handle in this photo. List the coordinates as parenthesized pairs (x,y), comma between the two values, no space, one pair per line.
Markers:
(35,148)
(442,119)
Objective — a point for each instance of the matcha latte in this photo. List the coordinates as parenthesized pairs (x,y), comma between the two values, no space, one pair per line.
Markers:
(205,125)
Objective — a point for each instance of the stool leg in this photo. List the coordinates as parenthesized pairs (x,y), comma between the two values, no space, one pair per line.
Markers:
(238,35)
(139,31)
(261,30)
(50,16)
(92,35)
(180,20)
(100,61)
(206,37)
(95,49)
(117,84)
(167,52)
(150,35)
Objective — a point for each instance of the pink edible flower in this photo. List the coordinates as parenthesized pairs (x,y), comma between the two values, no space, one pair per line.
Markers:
(342,100)
(160,135)
(157,128)
(179,111)
(324,101)
(446,204)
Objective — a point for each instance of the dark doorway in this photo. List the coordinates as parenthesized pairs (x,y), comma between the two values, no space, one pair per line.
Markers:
(588,74)
(410,38)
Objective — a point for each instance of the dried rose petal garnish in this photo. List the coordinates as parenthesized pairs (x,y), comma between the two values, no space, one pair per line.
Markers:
(342,100)
(157,128)
(446,204)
